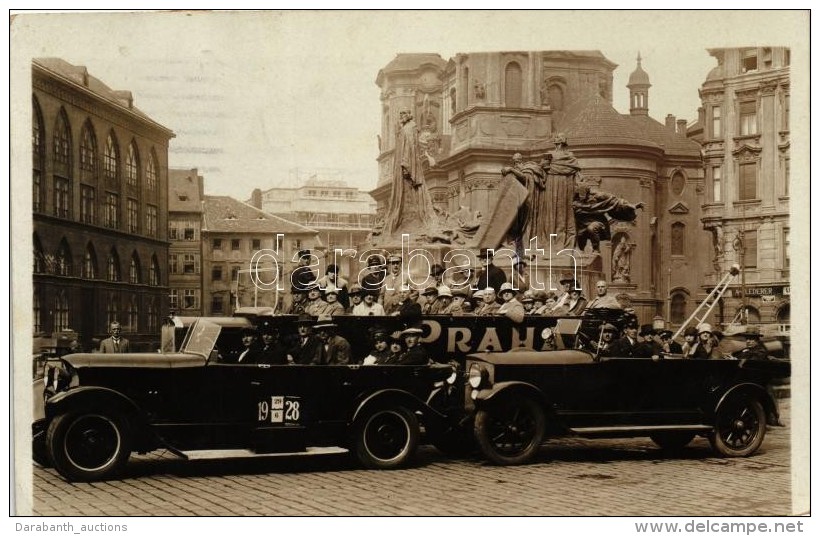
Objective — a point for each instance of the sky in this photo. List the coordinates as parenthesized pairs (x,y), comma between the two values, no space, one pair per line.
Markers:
(263,99)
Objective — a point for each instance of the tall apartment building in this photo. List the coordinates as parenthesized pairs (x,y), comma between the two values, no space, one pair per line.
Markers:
(186,196)
(100,208)
(744,132)
(342,215)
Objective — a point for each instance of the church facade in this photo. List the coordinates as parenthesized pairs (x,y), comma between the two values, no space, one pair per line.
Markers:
(476,110)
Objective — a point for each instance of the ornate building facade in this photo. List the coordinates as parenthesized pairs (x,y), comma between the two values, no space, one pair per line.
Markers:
(100,208)
(744,132)
(478,109)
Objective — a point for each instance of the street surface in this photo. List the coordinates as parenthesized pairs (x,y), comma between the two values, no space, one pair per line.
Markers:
(571,477)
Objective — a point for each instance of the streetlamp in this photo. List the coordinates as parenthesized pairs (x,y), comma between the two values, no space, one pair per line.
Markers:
(739,245)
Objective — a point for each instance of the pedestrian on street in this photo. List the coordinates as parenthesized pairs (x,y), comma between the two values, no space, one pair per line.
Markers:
(115,344)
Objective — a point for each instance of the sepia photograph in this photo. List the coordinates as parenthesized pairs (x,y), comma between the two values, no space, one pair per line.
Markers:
(410,264)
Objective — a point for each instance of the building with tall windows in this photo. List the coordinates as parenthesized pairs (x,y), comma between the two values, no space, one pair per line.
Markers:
(233,234)
(476,110)
(186,196)
(100,208)
(744,132)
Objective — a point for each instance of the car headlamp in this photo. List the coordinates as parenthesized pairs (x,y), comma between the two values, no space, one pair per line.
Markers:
(451,379)
(546,334)
(477,376)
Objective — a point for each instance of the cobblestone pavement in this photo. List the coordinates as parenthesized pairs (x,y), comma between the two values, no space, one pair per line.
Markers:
(571,477)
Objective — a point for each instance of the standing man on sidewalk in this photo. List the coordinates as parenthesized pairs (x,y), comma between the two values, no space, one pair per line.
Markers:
(114,344)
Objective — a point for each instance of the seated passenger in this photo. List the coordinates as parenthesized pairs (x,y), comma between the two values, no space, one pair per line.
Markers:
(649,347)
(690,342)
(272,351)
(511,308)
(754,349)
(487,304)
(334,349)
(577,303)
(667,344)
(415,353)
(249,354)
(626,345)
(380,352)
(369,306)
(603,346)
(307,345)
(707,347)
(396,350)
(333,307)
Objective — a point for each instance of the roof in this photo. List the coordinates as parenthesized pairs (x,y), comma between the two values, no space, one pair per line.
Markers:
(225,214)
(78,74)
(594,121)
(413,61)
(184,194)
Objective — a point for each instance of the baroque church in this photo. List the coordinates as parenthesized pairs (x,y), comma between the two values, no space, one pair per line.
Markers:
(476,110)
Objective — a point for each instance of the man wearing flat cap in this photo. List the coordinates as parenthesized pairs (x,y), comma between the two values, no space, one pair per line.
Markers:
(606,340)
(667,344)
(334,349)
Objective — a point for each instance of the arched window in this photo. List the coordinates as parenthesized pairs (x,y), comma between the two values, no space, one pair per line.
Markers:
(678,238)
(677,182)
(512,85)
(90,262)
(64,264)
(39,256)
(38,155)
(37,304)
(111,158)
(152,313)
(112,308)
(61,311)
(750,315)
(132,316)
(88,151)
(113,266)
(132,170)
(134,269)
(677,308)
(151,172)
(154,275)
(62,142)
(784,314)
(556,96)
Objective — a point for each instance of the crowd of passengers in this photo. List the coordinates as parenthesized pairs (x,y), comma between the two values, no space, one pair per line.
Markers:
(481,292)
(320,343)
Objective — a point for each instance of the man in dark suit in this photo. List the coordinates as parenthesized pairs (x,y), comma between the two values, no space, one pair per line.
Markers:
(648,347)
(307,345)
(335,350)
(272,351)
(490,275)
(249,354)
(668,345)
(415,353)
(626,345)
(114,344)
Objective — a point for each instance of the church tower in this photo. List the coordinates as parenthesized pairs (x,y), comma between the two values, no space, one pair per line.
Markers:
(639,90)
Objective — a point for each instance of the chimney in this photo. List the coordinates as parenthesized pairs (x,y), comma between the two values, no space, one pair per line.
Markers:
(682,127)
(670,122)
(256,198)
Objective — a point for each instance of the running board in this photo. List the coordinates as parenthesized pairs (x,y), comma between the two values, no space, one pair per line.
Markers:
(245,453)
(594,430)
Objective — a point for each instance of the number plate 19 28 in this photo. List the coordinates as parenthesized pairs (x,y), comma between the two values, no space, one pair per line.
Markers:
(279,410)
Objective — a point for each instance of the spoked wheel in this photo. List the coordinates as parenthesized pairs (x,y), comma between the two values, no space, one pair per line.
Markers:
(672,440)
(511,431)
(387,438)
(740,426)
(86,446)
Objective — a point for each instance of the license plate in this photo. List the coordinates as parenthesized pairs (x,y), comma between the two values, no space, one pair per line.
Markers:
(279,410)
